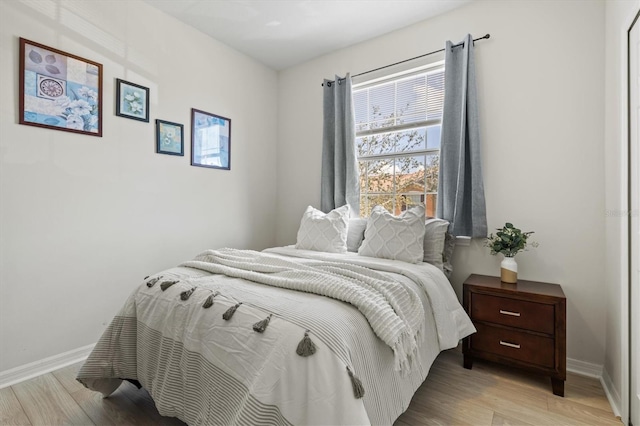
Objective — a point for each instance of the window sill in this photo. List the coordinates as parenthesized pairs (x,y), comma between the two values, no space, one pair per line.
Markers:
(463,241)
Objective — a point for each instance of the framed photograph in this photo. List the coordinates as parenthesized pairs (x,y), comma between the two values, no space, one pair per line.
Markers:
(169,138)
(58,90)
(132,100)
(210,140)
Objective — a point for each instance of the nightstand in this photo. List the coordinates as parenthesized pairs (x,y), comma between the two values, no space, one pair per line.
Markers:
(520,325)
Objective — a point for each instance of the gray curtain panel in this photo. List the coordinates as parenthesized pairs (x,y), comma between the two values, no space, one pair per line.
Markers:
(460,186)
(339,184)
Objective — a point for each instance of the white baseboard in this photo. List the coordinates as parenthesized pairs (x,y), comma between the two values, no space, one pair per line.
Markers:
(597,372)
(584,368)
(612,393)
(47,365)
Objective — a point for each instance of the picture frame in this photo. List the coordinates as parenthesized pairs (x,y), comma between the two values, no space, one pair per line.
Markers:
(132,100)
(59,90)
(210,140)
(169,138)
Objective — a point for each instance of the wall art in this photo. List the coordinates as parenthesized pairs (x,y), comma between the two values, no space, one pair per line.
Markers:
(210,140)
(59,90)
(132,100)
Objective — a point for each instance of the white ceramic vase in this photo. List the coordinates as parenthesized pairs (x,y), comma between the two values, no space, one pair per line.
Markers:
(509,270)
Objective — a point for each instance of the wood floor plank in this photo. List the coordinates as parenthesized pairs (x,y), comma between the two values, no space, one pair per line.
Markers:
(587,391)
(11,412)
(433,404)
(46,402)
(67,377)
(116,409)
(525,400)
(502,420)
(585,413)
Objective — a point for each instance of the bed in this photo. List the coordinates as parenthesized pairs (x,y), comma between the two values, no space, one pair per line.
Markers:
(283,336)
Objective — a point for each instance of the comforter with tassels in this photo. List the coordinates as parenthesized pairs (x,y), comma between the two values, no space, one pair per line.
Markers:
(284,337)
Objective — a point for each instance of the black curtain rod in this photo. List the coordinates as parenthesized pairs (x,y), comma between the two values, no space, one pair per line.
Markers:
(407,60)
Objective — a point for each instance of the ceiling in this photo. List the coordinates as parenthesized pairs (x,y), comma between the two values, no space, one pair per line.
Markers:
(283,33)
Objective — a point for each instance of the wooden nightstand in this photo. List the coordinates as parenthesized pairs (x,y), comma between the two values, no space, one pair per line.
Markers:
(521,325)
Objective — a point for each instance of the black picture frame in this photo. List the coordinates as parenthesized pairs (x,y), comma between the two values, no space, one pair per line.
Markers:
(132,101)
(169,138)
(210,140)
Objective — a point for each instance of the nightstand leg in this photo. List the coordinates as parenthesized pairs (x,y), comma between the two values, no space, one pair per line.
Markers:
(558,386)
(467,362)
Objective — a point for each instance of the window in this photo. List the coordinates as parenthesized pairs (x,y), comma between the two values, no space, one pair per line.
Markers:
(398,122)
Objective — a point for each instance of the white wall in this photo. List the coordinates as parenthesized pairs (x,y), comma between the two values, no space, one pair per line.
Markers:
(619,15)
(540,79)
(84,219)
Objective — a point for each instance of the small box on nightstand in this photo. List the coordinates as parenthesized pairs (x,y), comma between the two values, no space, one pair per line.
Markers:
(521,325)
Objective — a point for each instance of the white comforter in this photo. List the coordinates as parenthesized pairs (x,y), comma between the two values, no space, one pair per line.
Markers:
(206,370)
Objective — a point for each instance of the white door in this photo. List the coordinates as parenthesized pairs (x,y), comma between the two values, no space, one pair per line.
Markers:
(634,165)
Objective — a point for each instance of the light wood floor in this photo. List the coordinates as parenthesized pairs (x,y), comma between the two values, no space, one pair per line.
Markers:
(487,395)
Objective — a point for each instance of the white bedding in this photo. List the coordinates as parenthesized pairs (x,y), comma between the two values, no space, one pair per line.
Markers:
(205,370)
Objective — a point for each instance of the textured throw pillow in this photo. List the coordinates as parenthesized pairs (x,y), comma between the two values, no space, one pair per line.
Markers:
(434,238)
(324,232)
(395,237)
(355,233)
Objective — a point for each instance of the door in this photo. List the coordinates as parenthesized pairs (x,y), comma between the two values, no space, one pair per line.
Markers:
(634,221)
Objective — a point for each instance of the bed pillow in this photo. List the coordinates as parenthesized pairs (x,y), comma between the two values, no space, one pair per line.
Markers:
(449,246)
(394,237)
(434,241)
(355,233)
(324,232)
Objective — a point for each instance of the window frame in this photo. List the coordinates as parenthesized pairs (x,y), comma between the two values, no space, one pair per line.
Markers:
(431,68)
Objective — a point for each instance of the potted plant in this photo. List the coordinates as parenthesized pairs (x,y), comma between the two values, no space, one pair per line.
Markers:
(509,241)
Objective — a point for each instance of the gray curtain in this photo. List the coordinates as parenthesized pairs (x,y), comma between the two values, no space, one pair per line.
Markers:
(339,184)
(460,186)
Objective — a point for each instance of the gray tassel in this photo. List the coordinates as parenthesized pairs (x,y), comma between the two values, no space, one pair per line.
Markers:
(152,281)
(227,315)
(186,294)
(261,326)
(306,347)
(166,284)
(209,301)
(358,389)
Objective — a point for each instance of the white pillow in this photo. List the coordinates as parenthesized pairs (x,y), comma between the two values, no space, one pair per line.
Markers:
(434,238)
(395,237)
(355,233)
(324,232)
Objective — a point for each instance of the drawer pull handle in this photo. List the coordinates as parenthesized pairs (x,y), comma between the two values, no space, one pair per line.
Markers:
(511,345)
(513,314)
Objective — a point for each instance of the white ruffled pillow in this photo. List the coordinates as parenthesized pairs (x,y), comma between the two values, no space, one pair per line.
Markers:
(395,237)
(324,232)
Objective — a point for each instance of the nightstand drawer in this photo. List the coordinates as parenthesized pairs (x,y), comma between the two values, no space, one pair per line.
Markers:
(513,312)
(514,344)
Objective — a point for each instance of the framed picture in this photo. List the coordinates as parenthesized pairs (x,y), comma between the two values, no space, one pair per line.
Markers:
(132,100)
(169,138)
(58,90)
(210,140)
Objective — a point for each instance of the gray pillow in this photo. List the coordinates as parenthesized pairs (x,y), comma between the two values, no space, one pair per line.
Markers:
(355,233)
(449,245)
(434,239)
